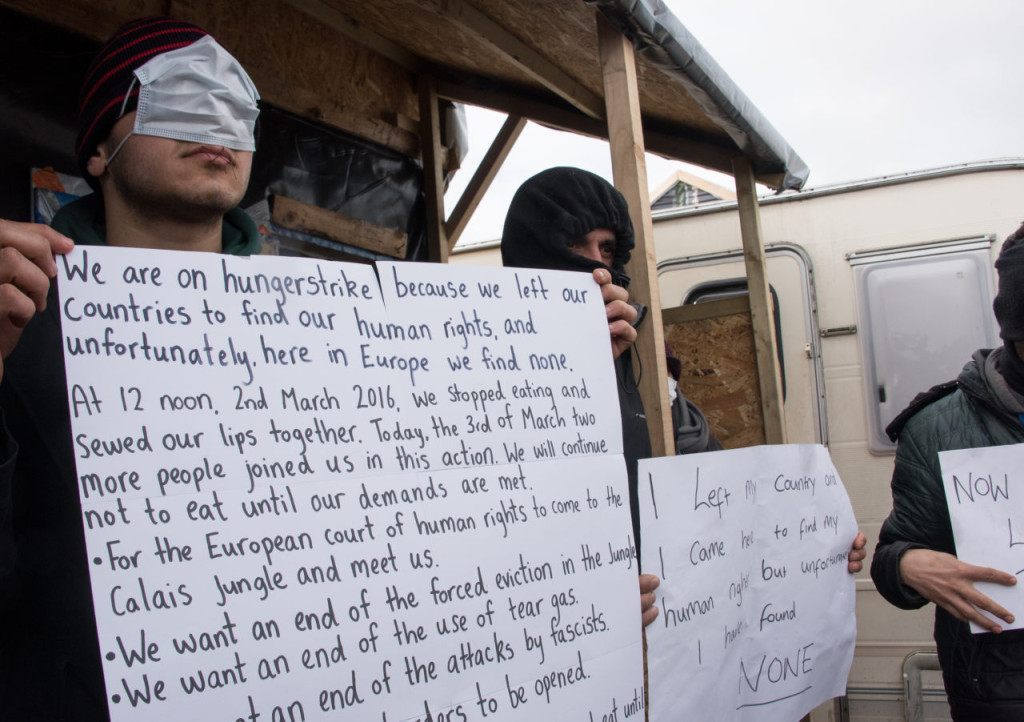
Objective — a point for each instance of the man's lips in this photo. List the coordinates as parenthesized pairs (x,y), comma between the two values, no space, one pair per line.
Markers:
(215,154)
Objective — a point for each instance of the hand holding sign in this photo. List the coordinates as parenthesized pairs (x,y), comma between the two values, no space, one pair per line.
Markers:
(855,562)
(26,267)
(648,584)
(988,527)
(621,314)
(942,578)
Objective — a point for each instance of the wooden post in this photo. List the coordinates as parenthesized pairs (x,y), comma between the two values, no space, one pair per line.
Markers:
(625,136)
(433,174)
(762,319)
(484,176)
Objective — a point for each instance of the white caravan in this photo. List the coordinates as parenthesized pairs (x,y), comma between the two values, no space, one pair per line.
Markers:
(884,288)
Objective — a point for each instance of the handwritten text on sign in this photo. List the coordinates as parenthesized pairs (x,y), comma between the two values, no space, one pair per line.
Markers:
(756,608)
(310,496)
(986,510)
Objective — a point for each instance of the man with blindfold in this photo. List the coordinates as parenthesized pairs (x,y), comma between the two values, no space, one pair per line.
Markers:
(166,120)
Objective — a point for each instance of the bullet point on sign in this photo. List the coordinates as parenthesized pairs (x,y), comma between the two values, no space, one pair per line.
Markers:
(116,698)
(97,560)
(110,656)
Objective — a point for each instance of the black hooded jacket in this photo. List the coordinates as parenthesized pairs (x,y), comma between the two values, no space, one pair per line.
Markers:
(547,213)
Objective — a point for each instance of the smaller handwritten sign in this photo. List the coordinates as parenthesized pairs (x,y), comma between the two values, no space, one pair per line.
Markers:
(756,608)
(985,509)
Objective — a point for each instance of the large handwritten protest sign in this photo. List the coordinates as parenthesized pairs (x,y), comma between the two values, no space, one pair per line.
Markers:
(310,494)
(756,608)
(987,515)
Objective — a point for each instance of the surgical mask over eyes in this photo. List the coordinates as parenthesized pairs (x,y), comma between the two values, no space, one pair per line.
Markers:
(198,93)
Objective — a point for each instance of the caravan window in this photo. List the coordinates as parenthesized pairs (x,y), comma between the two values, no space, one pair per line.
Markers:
(923,311)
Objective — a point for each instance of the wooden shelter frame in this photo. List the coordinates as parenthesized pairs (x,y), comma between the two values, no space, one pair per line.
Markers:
(621,124)
(548,91)
(552,96)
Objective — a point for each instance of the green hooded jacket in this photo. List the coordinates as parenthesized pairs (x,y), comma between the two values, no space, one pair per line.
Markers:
(977,669)
(82,221)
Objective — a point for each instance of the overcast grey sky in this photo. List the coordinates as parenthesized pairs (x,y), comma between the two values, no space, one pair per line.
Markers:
(858,89)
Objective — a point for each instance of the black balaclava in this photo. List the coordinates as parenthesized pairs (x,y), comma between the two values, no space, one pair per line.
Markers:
(558,206)
(1009,308)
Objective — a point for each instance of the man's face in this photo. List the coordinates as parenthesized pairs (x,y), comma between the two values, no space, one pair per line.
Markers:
(173,178)
(598,245)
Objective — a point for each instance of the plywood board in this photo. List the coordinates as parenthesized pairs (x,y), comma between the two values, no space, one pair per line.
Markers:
(91,18)
(720,376)
(312,69)
(545,23)
(297,63)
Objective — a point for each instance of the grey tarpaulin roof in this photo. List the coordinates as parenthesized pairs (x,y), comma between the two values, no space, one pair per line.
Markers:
(663,41)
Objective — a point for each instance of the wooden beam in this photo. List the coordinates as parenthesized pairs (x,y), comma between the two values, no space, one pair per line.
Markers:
(433,178)
(762,320)
(98,19)
(625,136)
(353,29)
(523,56)
(676,145)
(91,19)
(300,216)
(705,310)
(483,177)
(309,103)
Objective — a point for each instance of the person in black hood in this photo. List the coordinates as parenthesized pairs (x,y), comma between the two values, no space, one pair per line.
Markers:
(915,561)
(554,210)
(569,219)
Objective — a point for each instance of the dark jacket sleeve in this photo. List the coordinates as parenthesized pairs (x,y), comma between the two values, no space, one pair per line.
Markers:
(8,552)
(919,518)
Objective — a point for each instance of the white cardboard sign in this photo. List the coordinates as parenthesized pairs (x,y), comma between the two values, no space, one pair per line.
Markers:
(986,510)
(308,495)
(756,608)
